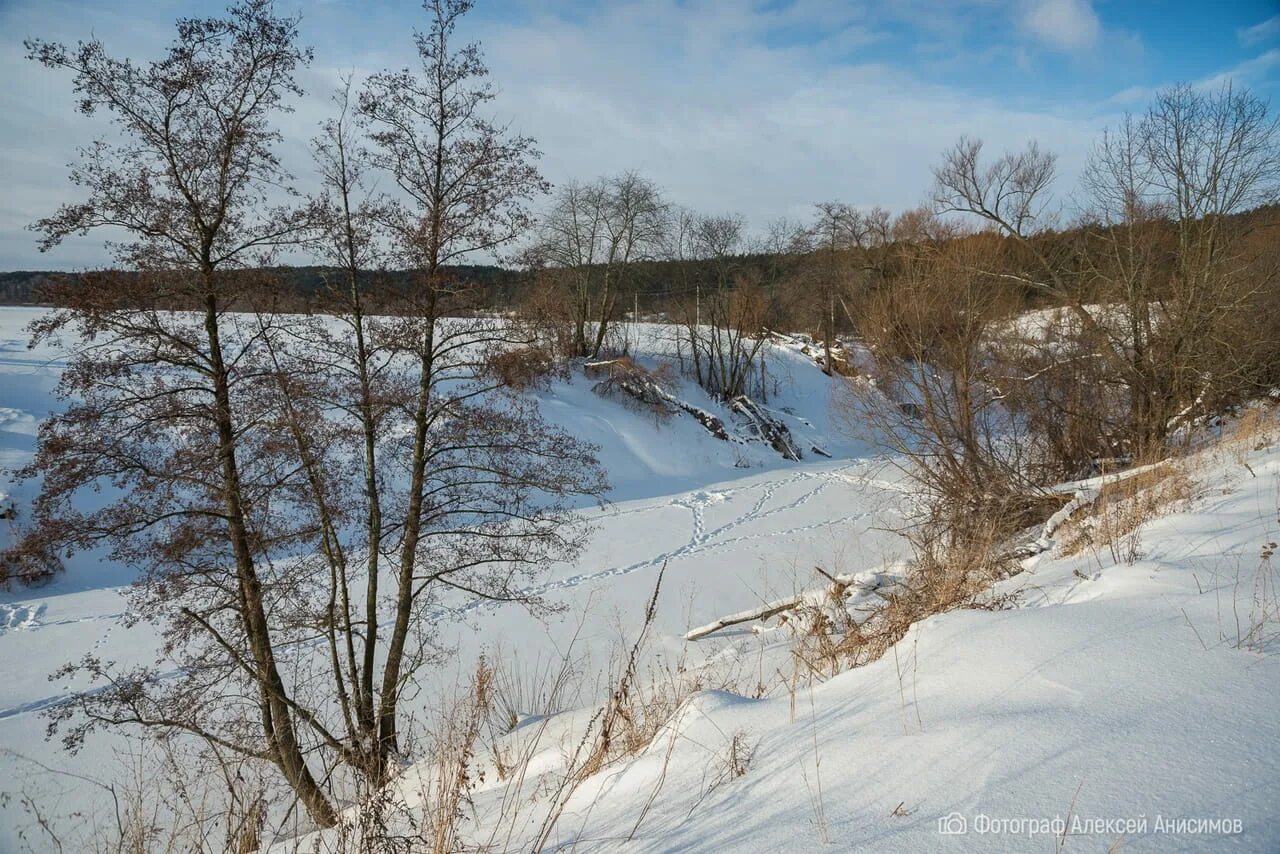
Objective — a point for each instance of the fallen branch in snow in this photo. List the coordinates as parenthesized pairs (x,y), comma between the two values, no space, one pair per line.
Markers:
(626,376)
(606,366)
(815,350)
(789,341)
(779,415)
(713,424)
(1084,493)
(762,613)
(1185,414)
(769,429)
(862,582)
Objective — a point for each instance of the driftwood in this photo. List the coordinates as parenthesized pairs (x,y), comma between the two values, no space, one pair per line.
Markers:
(839,588)
(1083,495)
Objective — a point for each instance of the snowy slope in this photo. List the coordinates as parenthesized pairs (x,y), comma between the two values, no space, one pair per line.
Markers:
(1113,692)
(645,457)
(733,523)
(1118,705)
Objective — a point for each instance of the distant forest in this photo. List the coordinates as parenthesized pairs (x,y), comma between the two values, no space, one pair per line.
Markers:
(660,287)
(655,282)
(27,287)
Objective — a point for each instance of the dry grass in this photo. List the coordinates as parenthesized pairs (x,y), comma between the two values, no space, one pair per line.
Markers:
(432,821)
(548,687)
(384,821)
(455,745)
(522,368)
(945,576)
(949,571)
(736,761)
(1258,629)
(1116,517)
(648,705)
(642,701)
(162,798)
(1257,429)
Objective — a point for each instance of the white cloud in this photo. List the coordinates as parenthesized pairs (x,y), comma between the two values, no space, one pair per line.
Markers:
(1265,31)
(1249,71)
(689,92)
(727,126)
(1069,25)
(1132,95)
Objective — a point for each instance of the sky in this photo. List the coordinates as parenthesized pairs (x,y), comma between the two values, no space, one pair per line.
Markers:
(761,109)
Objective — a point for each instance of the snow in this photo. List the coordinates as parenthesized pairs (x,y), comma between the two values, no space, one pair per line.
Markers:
(1111,692)
(1116,699)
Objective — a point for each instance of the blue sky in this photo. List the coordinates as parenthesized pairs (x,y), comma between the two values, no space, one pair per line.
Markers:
(761,109)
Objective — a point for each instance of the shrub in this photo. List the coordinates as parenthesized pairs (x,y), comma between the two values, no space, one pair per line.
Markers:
(524,367)
(635,385)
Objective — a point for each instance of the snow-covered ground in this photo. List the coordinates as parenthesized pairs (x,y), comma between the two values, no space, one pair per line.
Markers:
(733,523)
(1114,697)
(1111,706)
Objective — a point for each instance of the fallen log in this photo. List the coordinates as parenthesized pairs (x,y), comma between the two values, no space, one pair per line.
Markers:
(1083,495)
(767,428)
(841,585)
(641,385)
(713,424)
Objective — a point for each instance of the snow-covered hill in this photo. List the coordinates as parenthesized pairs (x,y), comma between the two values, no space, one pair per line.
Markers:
(1109,705)
(731,520)
(1135,702)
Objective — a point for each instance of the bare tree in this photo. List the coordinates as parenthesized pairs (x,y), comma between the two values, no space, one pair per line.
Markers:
(832,236)
(1169,189)
(467,517)
(784,244)
(570,244)
(1012,192)
(724,317)
(465,181)
(161,402)
(932,330)
(1154,281)
(592,237)
(283,484)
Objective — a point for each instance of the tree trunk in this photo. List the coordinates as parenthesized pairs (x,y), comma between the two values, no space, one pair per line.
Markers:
(277,717)
(389,698)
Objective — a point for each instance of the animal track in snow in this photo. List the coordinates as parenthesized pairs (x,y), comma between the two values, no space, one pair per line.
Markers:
(703,540)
